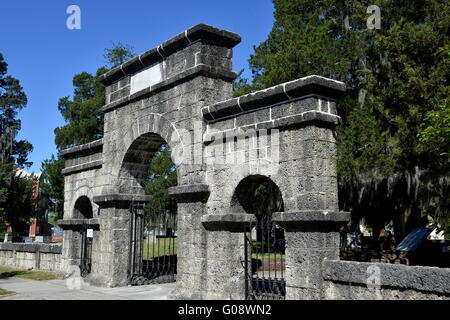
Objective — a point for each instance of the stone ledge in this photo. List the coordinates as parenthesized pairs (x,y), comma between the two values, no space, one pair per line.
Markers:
(200,69)
(190,193)
(199,32)
(76,223)
(311,85)
(310,218)
(82,167)
(31,247)
(231,222)
(88,148)
(430,279)
(123,198)
(306,117)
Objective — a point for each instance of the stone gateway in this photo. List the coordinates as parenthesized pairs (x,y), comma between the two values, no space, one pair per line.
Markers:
(180,94)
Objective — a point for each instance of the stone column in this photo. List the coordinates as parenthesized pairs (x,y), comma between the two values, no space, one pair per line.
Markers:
(115,225)
(191,241)
(226,273)
(71,250)
(311,237)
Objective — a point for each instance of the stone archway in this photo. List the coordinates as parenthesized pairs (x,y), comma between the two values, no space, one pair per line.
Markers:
(180,93)
(153,219)
(264,241)
(81,236)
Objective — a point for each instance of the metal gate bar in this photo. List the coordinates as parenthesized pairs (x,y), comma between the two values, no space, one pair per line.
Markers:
(264,261)
(86,252)
(153,244)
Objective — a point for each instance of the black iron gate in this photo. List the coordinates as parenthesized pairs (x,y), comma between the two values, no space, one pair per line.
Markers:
(264,261)
(86,250)
(153,250)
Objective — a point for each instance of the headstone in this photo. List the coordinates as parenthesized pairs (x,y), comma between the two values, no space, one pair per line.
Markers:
(5,239)
(413,240)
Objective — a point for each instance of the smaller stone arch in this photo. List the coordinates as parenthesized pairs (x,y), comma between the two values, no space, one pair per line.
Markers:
(264,252)
(254,193)
(83,208)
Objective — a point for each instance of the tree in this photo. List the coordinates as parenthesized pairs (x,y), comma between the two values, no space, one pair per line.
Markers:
(162,175)
(19,204)
(83,114)
(118,54)
(53,185)
(84,123)
(395,80)
(15,190)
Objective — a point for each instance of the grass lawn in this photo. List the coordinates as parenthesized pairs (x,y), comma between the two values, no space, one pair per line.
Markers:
(4,292)
(24,274)
(167,246)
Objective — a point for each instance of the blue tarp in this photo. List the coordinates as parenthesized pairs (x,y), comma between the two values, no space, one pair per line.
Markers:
(414,239)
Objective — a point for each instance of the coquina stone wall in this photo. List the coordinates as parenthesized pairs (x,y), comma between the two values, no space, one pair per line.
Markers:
(37,256)
(348,280)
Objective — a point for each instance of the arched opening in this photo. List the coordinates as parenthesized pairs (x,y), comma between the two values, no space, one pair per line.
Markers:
(148,169)
(265,241)
(83,208)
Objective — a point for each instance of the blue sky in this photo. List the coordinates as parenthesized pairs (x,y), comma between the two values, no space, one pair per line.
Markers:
(44,55)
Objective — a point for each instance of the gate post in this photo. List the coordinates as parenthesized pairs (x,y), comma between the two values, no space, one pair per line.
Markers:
(191,244)
(226,258)
(311,237)
(115,223)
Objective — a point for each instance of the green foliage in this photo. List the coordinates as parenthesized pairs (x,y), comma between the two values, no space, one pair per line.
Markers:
(53,185)
(241,85)
(19,204)
(6,172)
(396,77)
(15,192)
(162,175)
(435,134)
(118,54)
(84,123)
(83,114)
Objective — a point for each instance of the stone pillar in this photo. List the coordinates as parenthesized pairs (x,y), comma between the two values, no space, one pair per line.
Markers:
(226,273)
(71,250)
(113,269)
(311,237)
(191,241)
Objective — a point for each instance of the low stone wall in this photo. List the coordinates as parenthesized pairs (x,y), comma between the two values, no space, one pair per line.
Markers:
(345,280)
(37,256)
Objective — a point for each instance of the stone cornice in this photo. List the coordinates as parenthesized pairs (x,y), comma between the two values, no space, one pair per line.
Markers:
(235,222)
(311,219)
(190,193)
(197,33)
(68,224)
(82,167)
(31,247)
(121,198)
(311,85)
(88,148)
(306,117)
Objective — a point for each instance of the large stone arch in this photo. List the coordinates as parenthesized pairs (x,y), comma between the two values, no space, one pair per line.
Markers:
(143,139)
